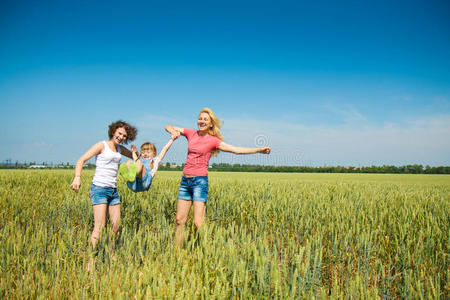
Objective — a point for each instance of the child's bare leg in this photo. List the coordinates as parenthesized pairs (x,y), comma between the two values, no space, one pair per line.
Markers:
(141,169)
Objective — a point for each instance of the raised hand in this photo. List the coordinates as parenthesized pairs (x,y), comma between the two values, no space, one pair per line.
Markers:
(134,152)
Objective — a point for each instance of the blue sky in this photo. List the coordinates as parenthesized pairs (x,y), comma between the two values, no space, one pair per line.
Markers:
(323,83)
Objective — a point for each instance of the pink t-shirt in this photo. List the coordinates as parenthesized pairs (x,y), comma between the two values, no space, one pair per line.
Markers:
(200,149)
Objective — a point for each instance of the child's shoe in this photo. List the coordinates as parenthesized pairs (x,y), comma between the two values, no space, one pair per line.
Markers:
(132,171)
(123,171)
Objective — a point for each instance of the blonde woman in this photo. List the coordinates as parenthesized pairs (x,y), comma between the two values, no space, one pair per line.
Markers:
(202,143)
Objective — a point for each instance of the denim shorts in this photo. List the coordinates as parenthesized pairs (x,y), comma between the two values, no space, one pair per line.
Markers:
(141,184)
(104,195)
(193,188)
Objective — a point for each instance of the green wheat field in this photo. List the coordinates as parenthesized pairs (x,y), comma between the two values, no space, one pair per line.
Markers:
(265,236)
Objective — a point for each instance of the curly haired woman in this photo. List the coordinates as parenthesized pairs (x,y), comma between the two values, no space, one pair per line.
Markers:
(104,196)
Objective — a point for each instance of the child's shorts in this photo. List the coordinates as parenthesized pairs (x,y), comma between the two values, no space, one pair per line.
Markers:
(104,195)
(141,184)
(194,188)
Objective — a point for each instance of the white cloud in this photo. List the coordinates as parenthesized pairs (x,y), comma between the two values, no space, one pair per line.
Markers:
(425,141)
(348,113)
(42,145)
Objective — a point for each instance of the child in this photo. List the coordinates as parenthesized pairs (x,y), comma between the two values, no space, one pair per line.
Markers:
(139,173)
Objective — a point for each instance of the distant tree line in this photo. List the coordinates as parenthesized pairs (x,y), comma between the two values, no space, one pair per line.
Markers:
(44,165)
(224,167)
(408,169)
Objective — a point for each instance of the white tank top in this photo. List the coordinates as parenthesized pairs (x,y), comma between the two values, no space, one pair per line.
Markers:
(106,167)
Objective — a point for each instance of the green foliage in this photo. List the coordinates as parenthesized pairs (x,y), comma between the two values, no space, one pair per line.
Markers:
(385,169)
(224,167)
(284,236)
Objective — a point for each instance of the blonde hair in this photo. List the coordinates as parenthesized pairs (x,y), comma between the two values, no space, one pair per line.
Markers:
(215,125)
(148,146)
(151,147)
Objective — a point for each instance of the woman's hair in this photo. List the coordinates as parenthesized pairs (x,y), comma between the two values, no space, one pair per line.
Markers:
(149,146)
(216,124)
(131,130)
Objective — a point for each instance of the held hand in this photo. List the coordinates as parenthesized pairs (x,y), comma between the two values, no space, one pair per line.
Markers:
(174,135)
(265,150)
(76,184)
(174,132)
(134,153)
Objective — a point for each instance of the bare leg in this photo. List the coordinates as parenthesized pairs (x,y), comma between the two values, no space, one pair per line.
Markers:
(199,216)
(99,223)
(183,207)
(114,216)
(199,213)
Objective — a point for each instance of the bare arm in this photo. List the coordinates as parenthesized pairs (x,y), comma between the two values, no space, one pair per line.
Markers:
(95,150)
(125,152)
(164,150)
(161,155)
(135,153)
(242,150)
(174,131)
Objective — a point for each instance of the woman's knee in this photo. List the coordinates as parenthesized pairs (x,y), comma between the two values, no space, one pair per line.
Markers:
(180,220)
(198,222)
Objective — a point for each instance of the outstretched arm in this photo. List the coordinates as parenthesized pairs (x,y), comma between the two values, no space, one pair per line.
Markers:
(242,150)
(126,152)
(174,131)
(161,155)
(96,149)
(165,149)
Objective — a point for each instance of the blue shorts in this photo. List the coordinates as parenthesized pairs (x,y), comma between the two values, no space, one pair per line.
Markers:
(104,195)
(193,188)
(141,184)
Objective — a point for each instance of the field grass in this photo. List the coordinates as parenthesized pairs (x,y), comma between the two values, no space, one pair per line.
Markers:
(265,236)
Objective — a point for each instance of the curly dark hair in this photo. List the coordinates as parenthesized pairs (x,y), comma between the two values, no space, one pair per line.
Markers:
(131,130)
